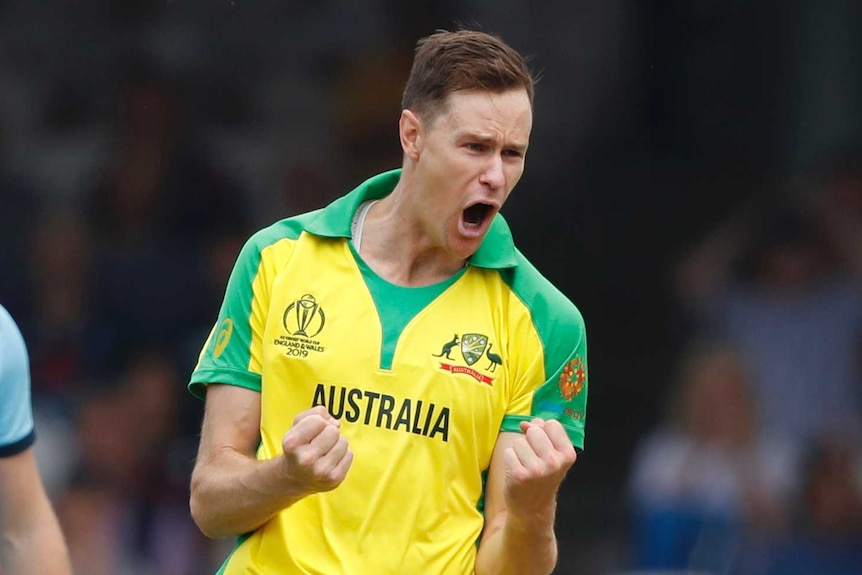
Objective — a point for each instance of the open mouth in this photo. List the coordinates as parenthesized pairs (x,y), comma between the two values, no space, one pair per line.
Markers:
(476,215)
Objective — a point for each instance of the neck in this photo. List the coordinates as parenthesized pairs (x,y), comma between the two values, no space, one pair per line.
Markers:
(398,247)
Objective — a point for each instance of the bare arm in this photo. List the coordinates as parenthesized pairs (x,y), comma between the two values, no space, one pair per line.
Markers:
(31,541)
(521,500)
(231,491)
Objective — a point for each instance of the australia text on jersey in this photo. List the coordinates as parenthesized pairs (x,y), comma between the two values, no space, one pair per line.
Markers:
(384,410)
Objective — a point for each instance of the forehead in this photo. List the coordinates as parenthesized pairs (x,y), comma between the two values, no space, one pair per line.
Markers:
(490,113)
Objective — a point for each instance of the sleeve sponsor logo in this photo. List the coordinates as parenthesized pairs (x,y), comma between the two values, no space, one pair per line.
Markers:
(223,337)
(561,410)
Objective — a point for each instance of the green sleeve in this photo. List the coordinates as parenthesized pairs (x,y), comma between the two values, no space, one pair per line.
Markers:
(560,326)
(227,354)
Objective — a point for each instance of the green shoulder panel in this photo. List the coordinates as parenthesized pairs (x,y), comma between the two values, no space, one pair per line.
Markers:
(226,355)
(561,329)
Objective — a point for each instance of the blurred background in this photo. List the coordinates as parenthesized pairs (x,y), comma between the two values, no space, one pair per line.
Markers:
(694,185)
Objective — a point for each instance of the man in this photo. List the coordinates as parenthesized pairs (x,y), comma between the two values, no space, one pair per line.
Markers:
(346,430)
(31,541)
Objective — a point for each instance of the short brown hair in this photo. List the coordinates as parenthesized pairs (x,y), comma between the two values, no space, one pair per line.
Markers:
(447,62)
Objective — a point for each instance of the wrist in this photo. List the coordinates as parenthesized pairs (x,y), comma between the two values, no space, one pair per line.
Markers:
(280,483)
(533,521)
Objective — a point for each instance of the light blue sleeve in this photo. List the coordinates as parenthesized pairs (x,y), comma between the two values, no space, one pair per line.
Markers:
(16,412)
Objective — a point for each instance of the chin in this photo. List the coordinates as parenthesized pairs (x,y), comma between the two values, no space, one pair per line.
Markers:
(464,248)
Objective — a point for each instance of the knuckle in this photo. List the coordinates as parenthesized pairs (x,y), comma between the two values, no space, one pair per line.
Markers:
(330,480)
(330,433)
(334,477)
(289,443)
(528,473)
(521,475)
(312,422)
(306,458)
(320,470)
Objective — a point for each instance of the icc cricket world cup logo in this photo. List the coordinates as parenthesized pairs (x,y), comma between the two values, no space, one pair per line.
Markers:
(304,317)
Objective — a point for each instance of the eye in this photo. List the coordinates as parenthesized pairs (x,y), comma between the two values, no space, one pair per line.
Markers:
(476,147)
(512,153)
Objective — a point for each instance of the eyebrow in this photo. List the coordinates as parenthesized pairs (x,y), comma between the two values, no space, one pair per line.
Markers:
(486,139)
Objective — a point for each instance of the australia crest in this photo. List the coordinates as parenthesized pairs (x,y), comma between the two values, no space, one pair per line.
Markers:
(473,347)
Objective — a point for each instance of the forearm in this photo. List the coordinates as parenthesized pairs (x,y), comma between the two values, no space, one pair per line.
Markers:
(34,545)
(518,547)
(232,494)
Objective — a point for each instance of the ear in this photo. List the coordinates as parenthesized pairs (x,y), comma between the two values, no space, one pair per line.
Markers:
(411,132)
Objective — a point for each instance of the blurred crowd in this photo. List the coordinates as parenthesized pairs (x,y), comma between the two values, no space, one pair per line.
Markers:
(114,289)
(757,467)
(137,153)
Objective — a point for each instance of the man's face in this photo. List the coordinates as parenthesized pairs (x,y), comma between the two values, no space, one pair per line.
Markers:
(468,159)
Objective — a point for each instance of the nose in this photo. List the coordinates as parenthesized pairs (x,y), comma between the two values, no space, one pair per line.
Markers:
(492,176)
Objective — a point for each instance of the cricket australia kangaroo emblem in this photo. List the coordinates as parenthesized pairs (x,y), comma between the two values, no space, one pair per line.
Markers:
(473,346)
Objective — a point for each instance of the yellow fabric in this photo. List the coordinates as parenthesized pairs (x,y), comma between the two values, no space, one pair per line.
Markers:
(421,434)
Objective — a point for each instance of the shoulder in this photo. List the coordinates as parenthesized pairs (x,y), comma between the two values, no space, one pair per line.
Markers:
(549,307)
(276,240)
(285,229)
(13,352)
(16,423)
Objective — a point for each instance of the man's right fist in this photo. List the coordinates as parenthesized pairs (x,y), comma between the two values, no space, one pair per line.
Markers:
(317,456)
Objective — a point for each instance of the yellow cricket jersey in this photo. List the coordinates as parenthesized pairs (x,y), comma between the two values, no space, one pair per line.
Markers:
(422,379)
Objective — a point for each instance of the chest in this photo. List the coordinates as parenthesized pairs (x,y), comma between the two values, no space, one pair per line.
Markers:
(442,374)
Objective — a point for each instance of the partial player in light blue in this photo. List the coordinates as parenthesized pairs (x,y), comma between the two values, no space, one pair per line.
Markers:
(17,430)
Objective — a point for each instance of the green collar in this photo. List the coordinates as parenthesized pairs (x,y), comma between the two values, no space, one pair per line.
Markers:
(496,251)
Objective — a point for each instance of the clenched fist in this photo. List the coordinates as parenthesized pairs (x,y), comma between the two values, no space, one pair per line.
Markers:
(536,464)
(316,455)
